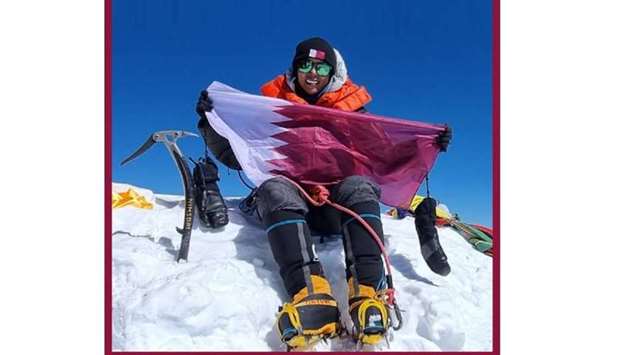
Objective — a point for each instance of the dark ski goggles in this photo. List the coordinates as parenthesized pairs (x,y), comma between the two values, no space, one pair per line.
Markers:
(322,69)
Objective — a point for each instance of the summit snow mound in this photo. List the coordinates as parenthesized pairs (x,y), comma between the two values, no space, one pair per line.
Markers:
(226,296)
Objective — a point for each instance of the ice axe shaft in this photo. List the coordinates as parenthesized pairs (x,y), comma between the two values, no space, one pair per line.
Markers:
(169,138)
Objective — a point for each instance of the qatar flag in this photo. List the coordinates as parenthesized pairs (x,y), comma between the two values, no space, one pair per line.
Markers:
(315,145)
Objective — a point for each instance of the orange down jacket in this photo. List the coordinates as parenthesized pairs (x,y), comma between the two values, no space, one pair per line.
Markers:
(350,97)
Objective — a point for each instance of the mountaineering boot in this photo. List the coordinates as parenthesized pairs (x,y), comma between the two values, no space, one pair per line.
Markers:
(309,318)
(369,314)
(212,210)
(364,267)
(432,251)
(248,204)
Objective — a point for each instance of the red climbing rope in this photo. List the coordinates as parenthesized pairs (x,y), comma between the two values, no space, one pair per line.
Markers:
(319,195)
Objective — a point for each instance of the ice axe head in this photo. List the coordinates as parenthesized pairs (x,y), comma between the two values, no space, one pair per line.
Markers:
(169,138)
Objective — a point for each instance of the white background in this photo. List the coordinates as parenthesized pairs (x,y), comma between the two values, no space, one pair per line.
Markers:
(52,143)
(560,94)
(560,80)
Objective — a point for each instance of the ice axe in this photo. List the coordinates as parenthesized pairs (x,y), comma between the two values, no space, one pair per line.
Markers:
(169,139)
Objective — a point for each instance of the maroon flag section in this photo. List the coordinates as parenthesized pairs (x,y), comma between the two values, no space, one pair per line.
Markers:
(315,145)
(323,146)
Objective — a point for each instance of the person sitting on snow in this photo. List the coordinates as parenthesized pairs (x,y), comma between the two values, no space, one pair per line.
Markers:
(317,76)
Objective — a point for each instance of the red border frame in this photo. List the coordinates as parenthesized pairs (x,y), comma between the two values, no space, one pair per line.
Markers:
(496,179)
(108,192)
(108,181)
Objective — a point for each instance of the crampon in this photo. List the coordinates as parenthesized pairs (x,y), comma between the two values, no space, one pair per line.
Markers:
(373,318)
(303,324)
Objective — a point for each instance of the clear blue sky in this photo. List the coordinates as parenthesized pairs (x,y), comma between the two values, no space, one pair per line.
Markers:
(423,60)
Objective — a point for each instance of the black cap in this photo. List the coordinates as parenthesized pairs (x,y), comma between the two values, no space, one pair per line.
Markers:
(316,48)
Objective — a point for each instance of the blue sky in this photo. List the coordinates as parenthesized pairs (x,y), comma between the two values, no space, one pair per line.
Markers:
(424,60)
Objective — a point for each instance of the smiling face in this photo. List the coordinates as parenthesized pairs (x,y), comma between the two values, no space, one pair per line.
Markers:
(311,82)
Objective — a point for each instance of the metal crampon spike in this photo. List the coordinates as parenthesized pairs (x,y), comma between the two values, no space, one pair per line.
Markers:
(359,345)
(345,332)
(395,311)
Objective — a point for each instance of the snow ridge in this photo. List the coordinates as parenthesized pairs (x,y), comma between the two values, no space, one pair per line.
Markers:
(227,294)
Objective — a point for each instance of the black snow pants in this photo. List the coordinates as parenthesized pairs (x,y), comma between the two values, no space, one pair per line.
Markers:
(288,219)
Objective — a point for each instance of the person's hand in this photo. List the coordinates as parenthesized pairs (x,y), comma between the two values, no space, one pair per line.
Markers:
(444,139)
(204,104)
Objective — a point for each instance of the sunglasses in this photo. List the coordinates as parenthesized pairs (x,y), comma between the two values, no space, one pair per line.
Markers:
(322,69)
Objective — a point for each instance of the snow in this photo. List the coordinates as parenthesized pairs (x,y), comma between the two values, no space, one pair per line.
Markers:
(227,294)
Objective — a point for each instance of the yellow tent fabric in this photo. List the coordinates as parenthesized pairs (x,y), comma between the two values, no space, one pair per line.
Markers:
(417,199)
(130,198)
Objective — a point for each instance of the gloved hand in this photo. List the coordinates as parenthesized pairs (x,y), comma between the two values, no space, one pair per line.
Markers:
(444,139)
(204,104)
